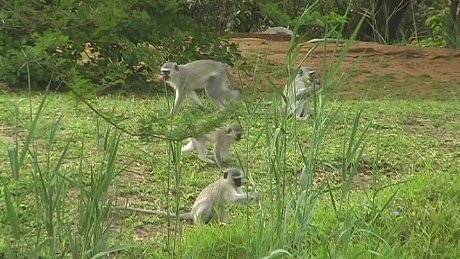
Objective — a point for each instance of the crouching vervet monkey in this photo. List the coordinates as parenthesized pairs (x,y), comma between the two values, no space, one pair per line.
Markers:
(211,202)
(210,75)
(298,95)
(222,137)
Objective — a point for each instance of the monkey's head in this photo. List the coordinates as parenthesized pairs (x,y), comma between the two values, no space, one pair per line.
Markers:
(167,69)
(236,131)
(234,175)
(308,76)
(306,71)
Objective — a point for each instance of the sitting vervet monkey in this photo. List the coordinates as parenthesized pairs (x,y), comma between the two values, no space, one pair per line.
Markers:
(298,95)
(212,199)
(210,75)
(278,30)
(223,137)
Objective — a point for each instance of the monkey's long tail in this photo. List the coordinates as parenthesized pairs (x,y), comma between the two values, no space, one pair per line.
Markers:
(185,215)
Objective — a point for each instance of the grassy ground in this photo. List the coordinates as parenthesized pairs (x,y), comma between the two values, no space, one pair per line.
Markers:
(402,203)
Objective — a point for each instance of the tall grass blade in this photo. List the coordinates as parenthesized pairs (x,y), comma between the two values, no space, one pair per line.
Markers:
(14,161)
(380,211)
(31,130)
(11,214)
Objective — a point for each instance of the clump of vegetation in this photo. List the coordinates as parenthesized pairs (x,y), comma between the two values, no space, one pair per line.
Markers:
(95,46)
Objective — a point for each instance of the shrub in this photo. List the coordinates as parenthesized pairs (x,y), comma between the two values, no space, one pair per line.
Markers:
(99,44)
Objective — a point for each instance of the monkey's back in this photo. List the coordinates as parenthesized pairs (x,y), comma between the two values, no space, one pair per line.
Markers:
(211,194)
(203,64)
(201,70)
(290,93)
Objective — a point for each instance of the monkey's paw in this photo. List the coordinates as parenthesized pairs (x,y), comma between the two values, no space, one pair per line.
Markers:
(255,196)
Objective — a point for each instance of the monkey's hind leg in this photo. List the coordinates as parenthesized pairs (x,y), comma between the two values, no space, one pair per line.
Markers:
(303,110)
(216,90)
(193,95)
(189,147)
(235,92)
(223,215)
(203,214)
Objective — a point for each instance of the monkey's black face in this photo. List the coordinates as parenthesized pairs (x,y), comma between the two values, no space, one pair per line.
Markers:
(306,71)
(237,182)
(166,73)
(238,136)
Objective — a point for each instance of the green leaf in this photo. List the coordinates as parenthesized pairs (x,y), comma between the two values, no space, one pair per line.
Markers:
(11,214)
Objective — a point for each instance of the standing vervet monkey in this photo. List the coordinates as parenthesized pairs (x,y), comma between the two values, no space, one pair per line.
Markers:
(210,75)
(298,96)
(222,137)
(212,199)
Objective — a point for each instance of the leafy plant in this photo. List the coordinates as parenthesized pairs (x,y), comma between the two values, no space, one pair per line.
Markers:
(59,229)
(107,45)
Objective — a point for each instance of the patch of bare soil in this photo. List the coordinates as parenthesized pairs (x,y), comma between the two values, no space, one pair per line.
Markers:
(419,71)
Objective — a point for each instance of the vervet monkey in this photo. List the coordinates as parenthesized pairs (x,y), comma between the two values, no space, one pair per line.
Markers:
(210,75)
(212,199)
(298,95)
(222,137)
(279,30)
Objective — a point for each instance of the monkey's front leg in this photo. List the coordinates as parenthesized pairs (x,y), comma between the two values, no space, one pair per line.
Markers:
(180,95)
(226,154)
(201,148)
(243,197)
(303,94)
(218,156)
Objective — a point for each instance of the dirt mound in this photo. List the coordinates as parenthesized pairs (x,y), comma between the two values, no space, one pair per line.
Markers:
(407,70)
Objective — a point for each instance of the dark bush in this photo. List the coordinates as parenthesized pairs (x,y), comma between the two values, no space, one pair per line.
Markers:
(96,45)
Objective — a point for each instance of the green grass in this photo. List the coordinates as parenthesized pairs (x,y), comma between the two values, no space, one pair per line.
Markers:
(403,203)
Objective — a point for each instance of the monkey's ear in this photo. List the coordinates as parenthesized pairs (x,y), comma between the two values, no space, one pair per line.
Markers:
(225,174)
(176,67)
(229,130)
(300,72)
